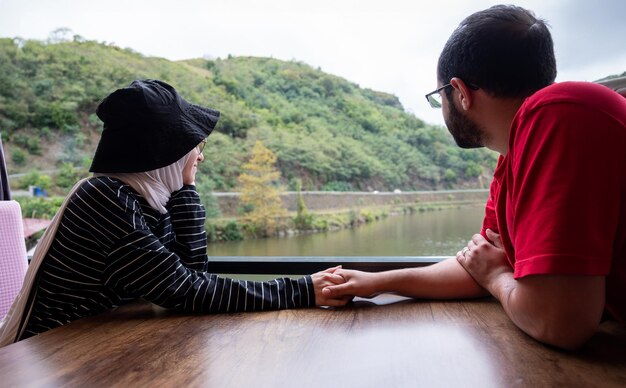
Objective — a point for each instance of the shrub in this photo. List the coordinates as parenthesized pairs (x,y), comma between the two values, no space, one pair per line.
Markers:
(232,232)
(473,169)
(354,218)
(18,157)
(449,175)
(35,178)
(337,186)
(28,142)
(211,232)
(37,207)
(304,221)
(368,216)
(68,175)
(45,133)
(320,224)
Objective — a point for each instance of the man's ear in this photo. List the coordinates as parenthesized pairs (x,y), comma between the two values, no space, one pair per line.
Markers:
(464,93)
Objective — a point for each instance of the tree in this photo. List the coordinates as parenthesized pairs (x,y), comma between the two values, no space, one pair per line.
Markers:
(59,35)
(259,192)
(304,219)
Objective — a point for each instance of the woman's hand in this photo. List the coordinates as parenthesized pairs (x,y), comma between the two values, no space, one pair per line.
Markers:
(324,279)
(356,283)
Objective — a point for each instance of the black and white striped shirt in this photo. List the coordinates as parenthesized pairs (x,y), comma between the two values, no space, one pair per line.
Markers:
(111,247)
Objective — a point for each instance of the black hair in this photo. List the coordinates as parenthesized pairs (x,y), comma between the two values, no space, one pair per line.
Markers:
(505,50)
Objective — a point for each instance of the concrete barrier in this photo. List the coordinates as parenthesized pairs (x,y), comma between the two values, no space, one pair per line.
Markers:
(329,200)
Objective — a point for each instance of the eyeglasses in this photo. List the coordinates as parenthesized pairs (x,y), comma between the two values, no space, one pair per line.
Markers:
(435,98)
(200,147)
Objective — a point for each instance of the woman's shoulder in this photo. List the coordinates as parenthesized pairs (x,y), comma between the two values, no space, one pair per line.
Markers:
(103,183)
(103,187)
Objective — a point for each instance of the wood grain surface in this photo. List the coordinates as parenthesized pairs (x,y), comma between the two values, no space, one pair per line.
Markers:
(385,343)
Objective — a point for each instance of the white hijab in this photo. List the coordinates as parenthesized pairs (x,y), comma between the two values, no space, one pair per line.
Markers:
(155,186)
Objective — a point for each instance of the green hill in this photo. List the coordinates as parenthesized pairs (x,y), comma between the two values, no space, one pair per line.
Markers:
(325,130)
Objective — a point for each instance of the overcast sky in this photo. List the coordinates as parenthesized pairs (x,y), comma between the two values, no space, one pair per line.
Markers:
(386,45)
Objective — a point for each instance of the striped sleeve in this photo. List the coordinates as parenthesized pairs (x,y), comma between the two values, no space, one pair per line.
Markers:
(187,217)
(140,266)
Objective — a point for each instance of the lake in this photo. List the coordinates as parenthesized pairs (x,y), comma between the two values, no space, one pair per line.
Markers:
(432,233)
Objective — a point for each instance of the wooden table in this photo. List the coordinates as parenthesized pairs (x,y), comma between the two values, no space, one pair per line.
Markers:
(404,344)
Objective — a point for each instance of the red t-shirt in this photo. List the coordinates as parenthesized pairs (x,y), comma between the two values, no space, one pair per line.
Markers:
(558,198)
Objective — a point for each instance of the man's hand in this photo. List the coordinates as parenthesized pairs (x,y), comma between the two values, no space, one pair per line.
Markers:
(485,262)
(559,310)
(357,283)
(324,279)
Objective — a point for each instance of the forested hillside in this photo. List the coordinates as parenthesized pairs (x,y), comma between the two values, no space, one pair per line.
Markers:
(325,130)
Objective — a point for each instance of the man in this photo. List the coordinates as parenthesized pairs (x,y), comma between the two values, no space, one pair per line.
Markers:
(552,248)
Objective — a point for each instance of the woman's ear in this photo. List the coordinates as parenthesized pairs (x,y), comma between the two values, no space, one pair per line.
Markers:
(464,93)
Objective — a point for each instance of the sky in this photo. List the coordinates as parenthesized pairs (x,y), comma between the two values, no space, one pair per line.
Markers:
(386,45)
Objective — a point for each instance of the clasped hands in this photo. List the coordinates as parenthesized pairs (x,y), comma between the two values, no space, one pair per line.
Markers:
(337,286)
(484,260)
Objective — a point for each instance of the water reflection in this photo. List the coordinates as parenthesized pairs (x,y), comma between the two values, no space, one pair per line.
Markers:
(435,233)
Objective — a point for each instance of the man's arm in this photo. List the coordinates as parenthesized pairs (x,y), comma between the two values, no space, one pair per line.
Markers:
(563,311)
(559,310)
(444,280)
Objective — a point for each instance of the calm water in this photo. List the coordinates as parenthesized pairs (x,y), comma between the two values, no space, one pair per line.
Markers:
(434,233)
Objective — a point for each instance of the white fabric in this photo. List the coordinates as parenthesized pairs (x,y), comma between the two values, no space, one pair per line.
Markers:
(13,261)
(10,328)
(155,186)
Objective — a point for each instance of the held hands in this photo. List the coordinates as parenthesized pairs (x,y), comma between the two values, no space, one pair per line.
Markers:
(484,261)
(356,283)
(326,278)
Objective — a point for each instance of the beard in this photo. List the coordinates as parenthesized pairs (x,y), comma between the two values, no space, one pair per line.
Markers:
(465,132)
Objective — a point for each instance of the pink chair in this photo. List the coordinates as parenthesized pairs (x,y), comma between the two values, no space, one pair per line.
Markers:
(13,261)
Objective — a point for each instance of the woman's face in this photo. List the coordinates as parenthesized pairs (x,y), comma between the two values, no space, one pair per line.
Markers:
(191,167)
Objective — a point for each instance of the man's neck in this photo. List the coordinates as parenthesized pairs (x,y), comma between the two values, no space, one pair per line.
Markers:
(496,120)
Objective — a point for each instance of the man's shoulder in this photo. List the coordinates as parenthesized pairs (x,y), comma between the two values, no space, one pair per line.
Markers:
(590,95)
(569,91)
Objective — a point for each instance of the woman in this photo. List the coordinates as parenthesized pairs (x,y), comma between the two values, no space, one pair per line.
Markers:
(136,229)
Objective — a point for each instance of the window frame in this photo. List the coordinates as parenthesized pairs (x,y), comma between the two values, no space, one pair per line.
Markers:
(303,265)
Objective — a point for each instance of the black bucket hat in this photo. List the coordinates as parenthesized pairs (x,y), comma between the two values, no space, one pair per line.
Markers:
(148,125)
